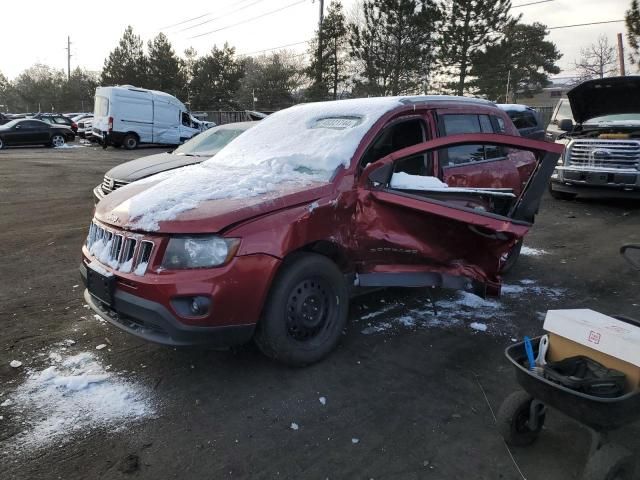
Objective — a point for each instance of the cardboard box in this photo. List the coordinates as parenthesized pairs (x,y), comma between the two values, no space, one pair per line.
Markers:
(611,342)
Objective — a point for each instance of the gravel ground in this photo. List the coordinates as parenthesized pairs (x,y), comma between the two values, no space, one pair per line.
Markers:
(403,397)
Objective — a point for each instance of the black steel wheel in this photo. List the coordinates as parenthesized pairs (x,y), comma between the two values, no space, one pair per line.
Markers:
(130,141)
(610,462)
(515,422)
(306,311)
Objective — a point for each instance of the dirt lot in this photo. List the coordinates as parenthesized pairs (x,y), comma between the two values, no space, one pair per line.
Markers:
(401,398)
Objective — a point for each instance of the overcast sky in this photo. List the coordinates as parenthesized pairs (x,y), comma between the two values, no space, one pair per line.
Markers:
(36,31)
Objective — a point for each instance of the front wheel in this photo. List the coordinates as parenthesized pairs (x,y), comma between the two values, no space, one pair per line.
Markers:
(515,421)
(57,141)
(306,311)
(130,142)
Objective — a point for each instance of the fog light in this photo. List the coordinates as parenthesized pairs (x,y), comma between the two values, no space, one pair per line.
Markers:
(197,306)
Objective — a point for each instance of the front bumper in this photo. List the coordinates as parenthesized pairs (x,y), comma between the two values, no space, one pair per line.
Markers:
(609,183)
(145,306)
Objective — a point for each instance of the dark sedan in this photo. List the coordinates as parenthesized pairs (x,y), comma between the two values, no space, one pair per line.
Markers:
(34,132)
(197,150)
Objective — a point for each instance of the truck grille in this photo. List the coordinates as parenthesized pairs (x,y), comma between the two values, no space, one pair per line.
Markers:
(616,154)
(119,250)
(109,184)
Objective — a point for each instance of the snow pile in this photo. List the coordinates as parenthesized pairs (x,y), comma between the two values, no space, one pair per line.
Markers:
(300,145)
(403,180)
(481,327)
(74,394)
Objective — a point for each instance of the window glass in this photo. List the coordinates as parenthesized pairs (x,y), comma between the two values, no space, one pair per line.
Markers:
(60,120)
(456,124)
(394,138)
(209,142)
(485,124)
(523,119)
(464,154)
(31,124)
(564,111)
(500,123)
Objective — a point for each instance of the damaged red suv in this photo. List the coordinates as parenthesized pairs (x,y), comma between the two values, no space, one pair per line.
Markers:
(268,239)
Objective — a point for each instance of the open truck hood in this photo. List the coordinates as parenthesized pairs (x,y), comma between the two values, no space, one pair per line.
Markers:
(607,96)
(210,216)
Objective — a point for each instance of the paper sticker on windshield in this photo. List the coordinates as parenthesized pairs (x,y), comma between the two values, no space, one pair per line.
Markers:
(337,123)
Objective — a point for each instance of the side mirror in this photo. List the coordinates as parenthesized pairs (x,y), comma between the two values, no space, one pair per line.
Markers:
(566,124)
(378,172)
(632,254)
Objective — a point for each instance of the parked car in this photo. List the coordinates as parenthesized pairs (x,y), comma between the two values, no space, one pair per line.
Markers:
(196,150)
(602,155)
(128,116)
(266,239)
(34,132)
(57,119)
(85,126)
(526,119)
(561,114)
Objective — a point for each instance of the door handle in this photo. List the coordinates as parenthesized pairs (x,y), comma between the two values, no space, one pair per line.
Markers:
(488,233)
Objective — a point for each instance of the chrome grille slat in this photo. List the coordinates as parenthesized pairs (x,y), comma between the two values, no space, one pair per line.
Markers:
(612,154)
(123,248)
(110,184)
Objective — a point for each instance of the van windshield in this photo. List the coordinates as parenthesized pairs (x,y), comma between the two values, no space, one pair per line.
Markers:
(208,143)
(101,107)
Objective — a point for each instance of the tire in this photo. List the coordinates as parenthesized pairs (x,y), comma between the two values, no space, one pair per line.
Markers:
(512,257)
(610,462)
(306,311)
(57,140)
(130,142)
(561,195)
(513,418)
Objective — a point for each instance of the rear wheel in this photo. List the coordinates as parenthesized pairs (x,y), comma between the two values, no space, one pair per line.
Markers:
(57,140)
(306,311)
(130,141)
(610,462)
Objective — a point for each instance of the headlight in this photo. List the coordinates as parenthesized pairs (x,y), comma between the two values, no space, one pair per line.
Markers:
(199,252)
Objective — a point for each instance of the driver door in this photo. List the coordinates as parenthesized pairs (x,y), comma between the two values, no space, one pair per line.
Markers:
(410,230)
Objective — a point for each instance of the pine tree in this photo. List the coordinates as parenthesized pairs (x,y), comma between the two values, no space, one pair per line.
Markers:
(165,69)
(334,55)
(127,63)
(393,46)
(78,92)
(632,20)
(523,58)
(469,27)
(216,78)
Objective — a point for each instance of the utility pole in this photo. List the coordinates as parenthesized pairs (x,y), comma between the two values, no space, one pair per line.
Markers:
(621,55)
(506,96)
(68,58)
(319,73)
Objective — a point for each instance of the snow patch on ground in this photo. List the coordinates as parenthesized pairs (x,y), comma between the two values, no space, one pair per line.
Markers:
(458,309)
(66,145)
(532,252)
(75,393)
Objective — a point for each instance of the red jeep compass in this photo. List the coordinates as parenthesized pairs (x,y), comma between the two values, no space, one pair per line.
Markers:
(267,239)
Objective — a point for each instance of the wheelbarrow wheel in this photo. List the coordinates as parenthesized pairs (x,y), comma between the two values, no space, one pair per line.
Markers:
(610,462)
(514,420)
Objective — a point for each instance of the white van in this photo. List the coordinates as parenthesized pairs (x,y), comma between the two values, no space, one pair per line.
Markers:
(128,116)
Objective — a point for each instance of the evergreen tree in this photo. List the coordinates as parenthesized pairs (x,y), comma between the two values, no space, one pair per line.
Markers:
(274,80)
(188,64)
(632,20)
(127,63)
(523,58)
(334,56)
(393,46)
(469,27)
(78,92)
(165,69)
(216,78)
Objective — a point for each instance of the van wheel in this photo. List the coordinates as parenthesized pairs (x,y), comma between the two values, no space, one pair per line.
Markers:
(130,142)
(306,311)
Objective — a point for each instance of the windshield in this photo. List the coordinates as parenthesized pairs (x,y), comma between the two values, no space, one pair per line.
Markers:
(10,124)
(564,111)
(208,143)
(623,117)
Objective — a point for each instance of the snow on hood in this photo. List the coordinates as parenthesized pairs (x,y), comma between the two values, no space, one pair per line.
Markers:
(300,145)
(607,96)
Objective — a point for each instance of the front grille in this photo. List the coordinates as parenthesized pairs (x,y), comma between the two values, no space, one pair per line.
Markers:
(109,184)
(121,251)
(613,154)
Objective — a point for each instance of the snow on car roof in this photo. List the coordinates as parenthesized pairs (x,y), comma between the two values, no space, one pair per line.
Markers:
(514,107)
(301,144)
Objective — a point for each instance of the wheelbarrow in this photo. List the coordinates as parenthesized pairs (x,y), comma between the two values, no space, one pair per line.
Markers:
(522,416)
